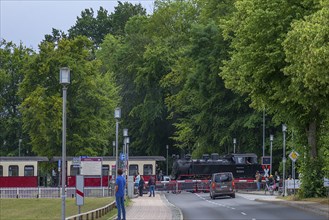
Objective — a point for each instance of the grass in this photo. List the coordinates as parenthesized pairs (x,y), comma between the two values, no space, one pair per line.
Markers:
(324,200)
(48,209)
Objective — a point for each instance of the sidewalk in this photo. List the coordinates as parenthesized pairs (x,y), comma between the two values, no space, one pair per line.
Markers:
(314,207)
(157,207)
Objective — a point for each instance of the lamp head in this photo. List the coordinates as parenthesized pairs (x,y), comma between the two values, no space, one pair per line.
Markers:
(64,76)
(117,113)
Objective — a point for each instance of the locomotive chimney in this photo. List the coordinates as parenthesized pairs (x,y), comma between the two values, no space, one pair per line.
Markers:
(205,157)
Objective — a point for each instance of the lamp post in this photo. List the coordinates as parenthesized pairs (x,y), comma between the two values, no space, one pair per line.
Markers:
(167,147)
(117,116)
(19,147)
(64,79)
(264,132)
(234,143)
(284,160)
(125,135)
(127,159)
(271,140)
(113,144)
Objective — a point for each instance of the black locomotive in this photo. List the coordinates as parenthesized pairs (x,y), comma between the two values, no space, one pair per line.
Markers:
(242,166)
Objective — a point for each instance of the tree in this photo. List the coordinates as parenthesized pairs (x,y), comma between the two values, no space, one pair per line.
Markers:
(257,31)
(12,62)
(97,27)
(306,48)
(91,100)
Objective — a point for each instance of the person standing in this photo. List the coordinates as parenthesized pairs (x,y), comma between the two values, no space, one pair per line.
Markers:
(138,177)
(258,180)
(120,184)
(277,180)
(54,175)
(152,186)
(141,186)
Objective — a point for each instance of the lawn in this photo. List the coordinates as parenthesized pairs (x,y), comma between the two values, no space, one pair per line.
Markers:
(46,208)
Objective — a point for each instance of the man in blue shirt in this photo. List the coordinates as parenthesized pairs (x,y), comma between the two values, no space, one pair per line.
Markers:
(120,184)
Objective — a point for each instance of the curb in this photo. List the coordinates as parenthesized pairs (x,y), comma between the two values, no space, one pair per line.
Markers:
(302,206)
(173,207)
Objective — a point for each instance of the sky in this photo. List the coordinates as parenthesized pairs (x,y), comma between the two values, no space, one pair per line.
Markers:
(28,21)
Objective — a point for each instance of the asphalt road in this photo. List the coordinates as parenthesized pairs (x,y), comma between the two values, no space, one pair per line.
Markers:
(200,206)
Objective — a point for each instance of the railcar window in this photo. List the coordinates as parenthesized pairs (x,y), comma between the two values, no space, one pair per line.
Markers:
(105,170)
(13,170)
(1,170)
(74,170)
(133,169)
(29,171)
(148,169)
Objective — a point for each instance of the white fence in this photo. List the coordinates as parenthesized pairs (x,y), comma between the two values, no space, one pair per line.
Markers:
(52,192)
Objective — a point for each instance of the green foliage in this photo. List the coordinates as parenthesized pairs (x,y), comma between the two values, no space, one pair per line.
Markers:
(90,101)
(97,27)
(312,178)
(12,62)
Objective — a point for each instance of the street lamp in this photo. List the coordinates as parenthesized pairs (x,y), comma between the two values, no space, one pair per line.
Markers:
(167,147)
(284,160)
(64,79)
(19,147)
(117,116)
(271,140)
(234,143)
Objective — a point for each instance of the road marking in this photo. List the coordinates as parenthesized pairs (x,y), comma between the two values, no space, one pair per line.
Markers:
(243,213)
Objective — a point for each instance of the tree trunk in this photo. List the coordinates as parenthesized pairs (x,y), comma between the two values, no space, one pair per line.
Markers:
(311,137)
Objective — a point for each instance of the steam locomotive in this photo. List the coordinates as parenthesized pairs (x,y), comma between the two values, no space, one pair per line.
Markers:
(243,166)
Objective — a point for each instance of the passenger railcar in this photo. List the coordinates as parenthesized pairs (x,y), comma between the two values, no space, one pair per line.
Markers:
(20,171)
(25,171)
(144,165)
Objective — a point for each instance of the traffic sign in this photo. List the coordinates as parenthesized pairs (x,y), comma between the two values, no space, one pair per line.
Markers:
(293,156)
(266,160)
(122,157)
(79,190)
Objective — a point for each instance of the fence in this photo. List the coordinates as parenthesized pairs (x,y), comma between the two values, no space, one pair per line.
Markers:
(94,214)
(200,185)
(53,192)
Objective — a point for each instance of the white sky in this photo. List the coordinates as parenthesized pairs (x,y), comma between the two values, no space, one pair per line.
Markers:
(30,20)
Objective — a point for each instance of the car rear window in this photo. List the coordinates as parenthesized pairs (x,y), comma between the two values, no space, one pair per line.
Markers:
(223,178)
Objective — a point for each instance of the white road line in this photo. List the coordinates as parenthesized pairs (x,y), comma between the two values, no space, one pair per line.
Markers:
(243,213)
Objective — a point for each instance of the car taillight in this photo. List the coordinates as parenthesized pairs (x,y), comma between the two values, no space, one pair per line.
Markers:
(233,184)
(213,185)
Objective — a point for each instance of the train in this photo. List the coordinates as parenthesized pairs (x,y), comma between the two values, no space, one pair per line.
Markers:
(26,171)
(242,166)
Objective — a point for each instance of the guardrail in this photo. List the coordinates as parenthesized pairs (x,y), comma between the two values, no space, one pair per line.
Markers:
(94,214)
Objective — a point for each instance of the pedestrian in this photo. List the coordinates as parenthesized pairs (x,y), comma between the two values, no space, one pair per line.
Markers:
(138,177)
(258,177)
(54,175)
(120,184)
(151,184)
(277,180)
(141,186)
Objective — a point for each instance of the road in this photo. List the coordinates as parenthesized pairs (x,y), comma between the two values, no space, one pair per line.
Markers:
(200,206)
